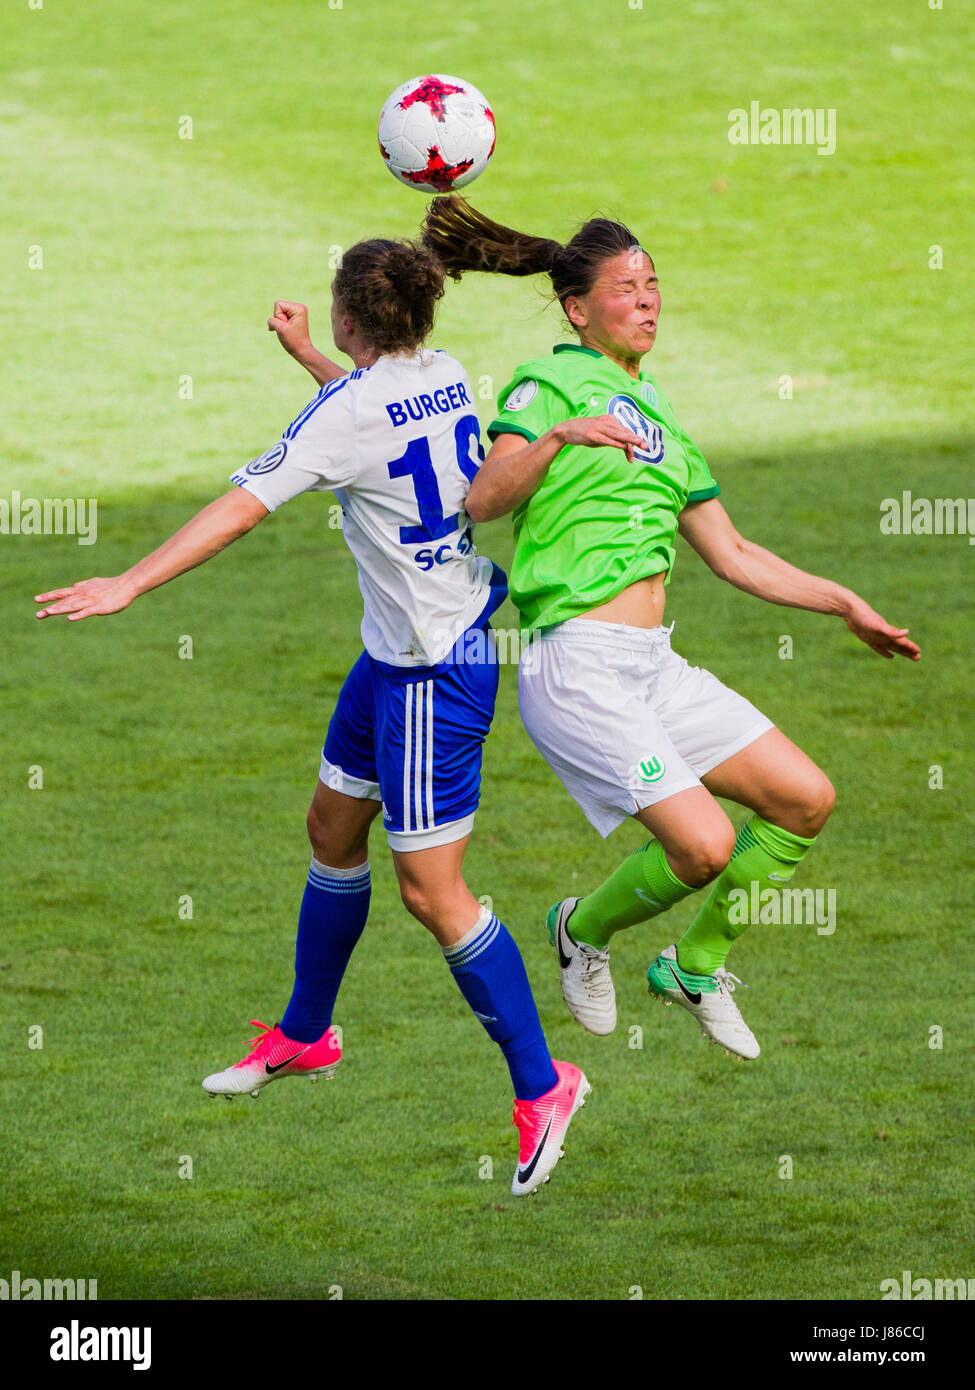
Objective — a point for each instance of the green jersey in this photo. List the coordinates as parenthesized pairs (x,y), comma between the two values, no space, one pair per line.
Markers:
(596,522)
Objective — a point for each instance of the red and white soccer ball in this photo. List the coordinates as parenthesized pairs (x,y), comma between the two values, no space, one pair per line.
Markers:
(436,132)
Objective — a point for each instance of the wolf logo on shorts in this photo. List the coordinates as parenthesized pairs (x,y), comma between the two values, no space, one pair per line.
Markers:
(651,769)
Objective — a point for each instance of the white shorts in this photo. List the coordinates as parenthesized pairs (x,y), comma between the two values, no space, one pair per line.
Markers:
(622,720)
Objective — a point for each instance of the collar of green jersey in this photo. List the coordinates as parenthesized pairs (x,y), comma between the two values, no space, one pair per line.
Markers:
(592,352)
(577,347)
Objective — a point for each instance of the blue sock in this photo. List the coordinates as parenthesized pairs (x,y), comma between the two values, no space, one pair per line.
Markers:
(488,968)
(333,914)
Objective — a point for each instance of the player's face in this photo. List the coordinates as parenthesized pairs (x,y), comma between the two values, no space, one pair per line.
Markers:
(619,314)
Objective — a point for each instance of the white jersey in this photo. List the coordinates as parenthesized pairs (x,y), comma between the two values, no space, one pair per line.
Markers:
(399,444)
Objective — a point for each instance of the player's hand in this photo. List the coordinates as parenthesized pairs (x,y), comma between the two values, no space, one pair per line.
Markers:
(596,432)
(89,598)
(290,322)
(878,634)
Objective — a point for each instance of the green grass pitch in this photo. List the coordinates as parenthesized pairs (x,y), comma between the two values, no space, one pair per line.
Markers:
(139,267)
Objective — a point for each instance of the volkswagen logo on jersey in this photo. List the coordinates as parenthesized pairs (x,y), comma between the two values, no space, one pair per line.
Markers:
(269,460)
(629,414)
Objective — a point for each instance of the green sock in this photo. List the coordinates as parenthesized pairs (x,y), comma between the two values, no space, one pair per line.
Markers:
(762,852)
(643,886)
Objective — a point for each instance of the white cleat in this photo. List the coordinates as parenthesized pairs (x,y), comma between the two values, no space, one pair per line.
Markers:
(587,986)
(708,998)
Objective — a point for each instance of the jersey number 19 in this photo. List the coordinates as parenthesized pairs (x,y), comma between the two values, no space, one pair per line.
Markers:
(417,464)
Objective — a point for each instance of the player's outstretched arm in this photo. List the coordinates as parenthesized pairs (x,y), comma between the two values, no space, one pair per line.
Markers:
(209,532)
(513,468)
(708,528)
(290,322)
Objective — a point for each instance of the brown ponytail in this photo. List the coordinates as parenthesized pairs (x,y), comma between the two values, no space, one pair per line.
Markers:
(464,239)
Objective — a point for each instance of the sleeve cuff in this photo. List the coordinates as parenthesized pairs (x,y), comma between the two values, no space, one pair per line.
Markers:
(501,427)
(243,481)
(702,494)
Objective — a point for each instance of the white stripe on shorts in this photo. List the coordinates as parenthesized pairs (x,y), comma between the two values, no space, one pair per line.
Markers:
(418,812)
(430,818)
(407,751)
(418,759)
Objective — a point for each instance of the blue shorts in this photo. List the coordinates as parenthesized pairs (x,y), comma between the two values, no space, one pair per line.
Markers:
(411,738)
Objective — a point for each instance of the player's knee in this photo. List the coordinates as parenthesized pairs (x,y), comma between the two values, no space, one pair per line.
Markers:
(819,801)
(703,856)
(808,807)
(437,906)
(426,906)
(317,834)
(333,842)
(714,852)
(419,902)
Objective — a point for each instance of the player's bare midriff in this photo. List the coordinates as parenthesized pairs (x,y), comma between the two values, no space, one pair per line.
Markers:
(638,605)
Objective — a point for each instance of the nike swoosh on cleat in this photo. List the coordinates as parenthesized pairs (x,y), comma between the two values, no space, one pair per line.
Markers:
(694,998)
(271,1070)
(525,1173)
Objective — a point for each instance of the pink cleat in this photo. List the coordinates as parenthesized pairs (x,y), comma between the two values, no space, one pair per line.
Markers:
(272,1056)
(542,1125)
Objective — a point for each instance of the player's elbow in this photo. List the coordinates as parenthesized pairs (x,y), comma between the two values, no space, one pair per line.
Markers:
(477,506)
(729,559)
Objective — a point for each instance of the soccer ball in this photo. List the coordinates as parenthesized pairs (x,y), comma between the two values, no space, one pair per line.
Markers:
(436,132)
